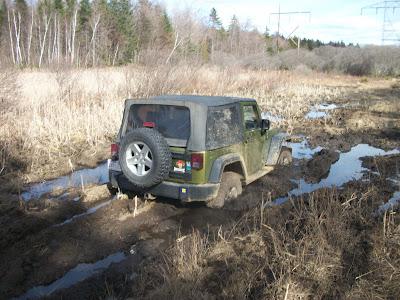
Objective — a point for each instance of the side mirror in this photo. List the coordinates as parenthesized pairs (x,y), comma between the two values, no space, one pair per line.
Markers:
(265,123)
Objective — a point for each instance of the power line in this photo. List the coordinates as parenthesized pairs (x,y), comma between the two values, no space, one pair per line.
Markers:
(279,14)
(388,31)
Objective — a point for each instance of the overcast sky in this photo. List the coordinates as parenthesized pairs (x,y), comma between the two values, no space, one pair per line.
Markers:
(330,20)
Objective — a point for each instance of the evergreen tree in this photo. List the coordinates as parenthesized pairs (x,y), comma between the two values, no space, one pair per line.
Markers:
(266,33)
(143,23)
(234,34)
(84,14)
(58,6)
(69,8)
(122,32)
(167,26)
(215,22)
(167,29)
(234,25)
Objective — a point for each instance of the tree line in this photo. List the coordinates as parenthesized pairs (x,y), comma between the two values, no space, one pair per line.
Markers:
(88,33)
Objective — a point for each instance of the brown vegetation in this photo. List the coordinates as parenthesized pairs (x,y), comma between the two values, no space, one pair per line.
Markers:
(324,246)
(57,118)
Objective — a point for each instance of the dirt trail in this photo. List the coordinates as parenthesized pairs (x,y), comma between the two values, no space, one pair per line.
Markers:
(36,248)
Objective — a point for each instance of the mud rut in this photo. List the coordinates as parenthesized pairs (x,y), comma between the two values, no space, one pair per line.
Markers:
(108,238)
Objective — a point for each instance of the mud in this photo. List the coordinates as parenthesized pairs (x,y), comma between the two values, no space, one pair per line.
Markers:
(319,166)
(62,239)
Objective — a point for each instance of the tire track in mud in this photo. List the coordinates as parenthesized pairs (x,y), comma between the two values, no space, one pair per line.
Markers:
(43,257)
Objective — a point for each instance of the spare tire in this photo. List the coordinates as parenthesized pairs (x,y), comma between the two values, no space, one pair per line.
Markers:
(144,157)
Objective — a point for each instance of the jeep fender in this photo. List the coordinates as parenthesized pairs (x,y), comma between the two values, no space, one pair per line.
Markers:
(277,141)
(223,161)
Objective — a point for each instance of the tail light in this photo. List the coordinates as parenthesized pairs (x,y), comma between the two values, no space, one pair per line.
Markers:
(114,150)
(149,124)
(197,161)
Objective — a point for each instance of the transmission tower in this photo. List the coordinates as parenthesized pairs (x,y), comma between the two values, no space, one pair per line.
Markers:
(389,32)
(289,13)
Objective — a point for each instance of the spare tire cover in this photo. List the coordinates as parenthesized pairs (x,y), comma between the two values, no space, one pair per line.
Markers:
(144,157)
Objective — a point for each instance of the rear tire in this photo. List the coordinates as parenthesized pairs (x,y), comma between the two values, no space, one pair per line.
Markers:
(230,188)
(285,158)
(145,158)
(112,190)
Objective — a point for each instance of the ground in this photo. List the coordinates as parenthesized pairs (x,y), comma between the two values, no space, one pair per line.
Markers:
(333,243)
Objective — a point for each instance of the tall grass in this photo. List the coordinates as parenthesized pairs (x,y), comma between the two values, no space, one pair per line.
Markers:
(326,246)
(54,116)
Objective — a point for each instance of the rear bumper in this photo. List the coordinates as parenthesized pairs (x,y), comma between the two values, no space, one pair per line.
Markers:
(182,191)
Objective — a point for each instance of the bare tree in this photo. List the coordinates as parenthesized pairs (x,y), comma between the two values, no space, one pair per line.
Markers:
(43,41)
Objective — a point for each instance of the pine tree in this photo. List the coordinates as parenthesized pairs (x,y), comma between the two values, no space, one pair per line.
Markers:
(215,22)
(167,29)
(167,26)
(234,34)
(267,33)
(69,7)
(143,23)
(234,25)
(122,32)
(84,14)
(58,6)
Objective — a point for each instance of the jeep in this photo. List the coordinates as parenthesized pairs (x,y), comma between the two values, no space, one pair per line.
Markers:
(194,148)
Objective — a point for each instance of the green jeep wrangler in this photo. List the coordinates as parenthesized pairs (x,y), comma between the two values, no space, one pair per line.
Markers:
(194,148)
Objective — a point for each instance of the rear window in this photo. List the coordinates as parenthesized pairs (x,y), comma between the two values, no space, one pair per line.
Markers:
(223,126)
(173,122)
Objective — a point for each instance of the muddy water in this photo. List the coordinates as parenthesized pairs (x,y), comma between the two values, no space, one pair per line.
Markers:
(392,202)
(302,150)
(98,175)
(347,168)
(90,211)
(75,275)
(320,111)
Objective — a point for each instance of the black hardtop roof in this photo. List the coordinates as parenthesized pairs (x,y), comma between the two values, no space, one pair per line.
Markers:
(203,100)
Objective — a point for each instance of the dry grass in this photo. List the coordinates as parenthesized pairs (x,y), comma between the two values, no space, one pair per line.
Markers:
(59,115)
(326,246)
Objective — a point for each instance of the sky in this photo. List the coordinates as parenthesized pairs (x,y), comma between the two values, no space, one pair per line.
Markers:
(338,20)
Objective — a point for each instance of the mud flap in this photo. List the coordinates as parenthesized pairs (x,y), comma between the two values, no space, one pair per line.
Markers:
(277,141)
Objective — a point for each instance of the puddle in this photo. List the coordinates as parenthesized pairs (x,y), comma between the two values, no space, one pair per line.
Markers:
(316,114)
(273,118)
(326,106)
(302,150)
(75,275)
(90,211)
(347,168)
(320,111)
(392,202)
(394,180)
(98,175)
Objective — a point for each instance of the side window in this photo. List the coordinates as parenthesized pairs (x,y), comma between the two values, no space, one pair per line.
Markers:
(223,126)
(250,117)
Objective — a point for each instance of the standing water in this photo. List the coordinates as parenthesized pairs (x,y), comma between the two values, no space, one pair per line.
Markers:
(72,277)
(98,175)
(347,168)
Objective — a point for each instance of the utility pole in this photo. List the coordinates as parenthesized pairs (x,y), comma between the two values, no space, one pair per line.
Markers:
(388,31)
(279,25)
(289,13)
